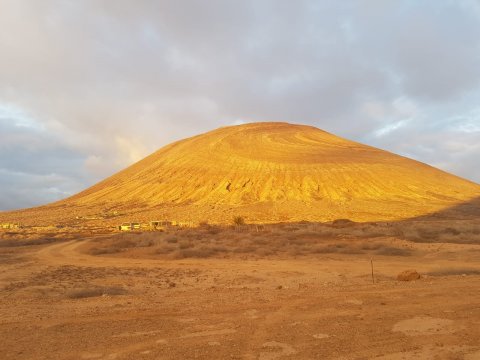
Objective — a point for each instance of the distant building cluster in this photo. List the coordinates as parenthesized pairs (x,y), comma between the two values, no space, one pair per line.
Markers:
(153,225)
(8,226)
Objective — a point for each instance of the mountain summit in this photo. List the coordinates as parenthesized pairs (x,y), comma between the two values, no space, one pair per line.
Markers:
(269,172)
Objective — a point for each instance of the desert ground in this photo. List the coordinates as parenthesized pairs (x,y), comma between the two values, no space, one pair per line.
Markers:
(280,291)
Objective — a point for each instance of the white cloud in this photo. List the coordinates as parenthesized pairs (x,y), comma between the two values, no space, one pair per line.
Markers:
(387,129)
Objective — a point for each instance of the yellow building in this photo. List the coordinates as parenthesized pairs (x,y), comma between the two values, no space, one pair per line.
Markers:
(129,226)
(10,226)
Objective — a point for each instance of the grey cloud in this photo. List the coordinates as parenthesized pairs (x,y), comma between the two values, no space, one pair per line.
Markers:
(36,167)
(112,82)
(21,190)
(432,46)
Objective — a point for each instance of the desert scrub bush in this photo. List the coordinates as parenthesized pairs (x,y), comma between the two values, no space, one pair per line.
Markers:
(124,243)
(164,249)
(428,235)
(454,271)
(104,251)
(351,250)
(326,233)
(238,221)
(200,253)
(260,240)
(329,249)
(171,239)
(451,231)
(83,293)
(244,250)
(398,232)
(373,246)
(184,244)
(296,240)
(27,242)
(458,234)
(145,242)
(369,232)
(262,252)
(213,230)
(393,251)
(341,223)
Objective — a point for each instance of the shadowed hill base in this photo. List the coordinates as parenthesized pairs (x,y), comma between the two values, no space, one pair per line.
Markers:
(265,172)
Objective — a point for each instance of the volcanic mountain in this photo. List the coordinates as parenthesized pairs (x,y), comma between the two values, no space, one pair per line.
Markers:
(264,172)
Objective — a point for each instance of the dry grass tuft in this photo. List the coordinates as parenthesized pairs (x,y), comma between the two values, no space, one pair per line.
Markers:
(454,271)
(455,232)
(83,293)
(238,221)
(393,251)
(26,242)
(342,223)
(287,239)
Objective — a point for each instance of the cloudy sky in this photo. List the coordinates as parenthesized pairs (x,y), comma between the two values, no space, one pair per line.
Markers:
(89,87)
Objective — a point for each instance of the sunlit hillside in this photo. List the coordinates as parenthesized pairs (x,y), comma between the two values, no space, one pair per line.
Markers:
(264,172)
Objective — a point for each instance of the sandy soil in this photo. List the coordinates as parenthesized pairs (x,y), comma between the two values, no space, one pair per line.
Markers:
(59,302)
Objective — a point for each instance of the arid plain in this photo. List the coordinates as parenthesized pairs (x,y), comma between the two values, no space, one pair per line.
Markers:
(288,247)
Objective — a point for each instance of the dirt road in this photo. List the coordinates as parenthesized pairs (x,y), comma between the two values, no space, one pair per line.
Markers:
(60,303)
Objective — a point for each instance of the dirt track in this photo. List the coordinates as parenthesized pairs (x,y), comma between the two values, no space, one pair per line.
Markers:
(312,308)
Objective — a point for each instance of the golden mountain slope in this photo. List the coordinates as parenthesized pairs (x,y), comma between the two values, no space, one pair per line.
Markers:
(268,172)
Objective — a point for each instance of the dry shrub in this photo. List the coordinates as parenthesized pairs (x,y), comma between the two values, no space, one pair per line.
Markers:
(475,231)
(372,246)
(104,251)
(238,221)
(95,291)
(398,232)
(200,253)
(292,228)
(351,251)
(340,248)
(244,249)
(124,244)
(461,233)
(295,240)
(260,240)
(185,245)
(428,234)
(454,271)
(27,242)
(264,252)
(369,232)
(409,275)
(145,243)
(165,249)
(171,239)
(451,231)
(342,223)
(393,251)
(323,233)
(252,241)
(329,249)
(116,245)
(213,230)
